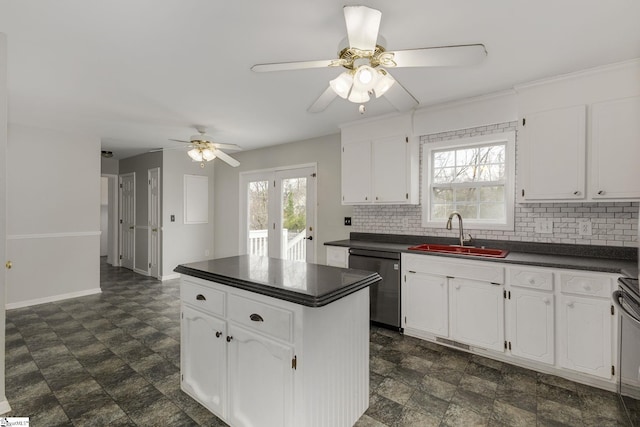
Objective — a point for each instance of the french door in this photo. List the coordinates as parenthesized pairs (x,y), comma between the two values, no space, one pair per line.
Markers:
(127,219)
(279,211)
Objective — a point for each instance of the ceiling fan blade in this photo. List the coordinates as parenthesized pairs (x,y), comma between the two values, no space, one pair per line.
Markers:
(226,146)
(180,140)
(227,158)
(323,101)
(442,56)
(400,97)
(284,66)
(363,24)
(169,148)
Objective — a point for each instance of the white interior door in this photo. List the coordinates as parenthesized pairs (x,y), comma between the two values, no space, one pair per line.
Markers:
(279,207)
(4,405)
(127,219)
(154,222)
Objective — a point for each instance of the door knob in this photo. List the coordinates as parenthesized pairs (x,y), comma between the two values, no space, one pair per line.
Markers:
(154,229)
(309,238)
(8,265)
(131,227)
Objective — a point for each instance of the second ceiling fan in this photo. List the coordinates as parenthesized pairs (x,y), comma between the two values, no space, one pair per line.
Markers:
(366,61)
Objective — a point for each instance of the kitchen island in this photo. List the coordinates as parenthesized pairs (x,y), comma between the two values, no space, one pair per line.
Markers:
(271,342)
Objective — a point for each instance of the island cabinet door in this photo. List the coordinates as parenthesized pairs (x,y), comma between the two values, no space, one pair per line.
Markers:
(203,359)
(260,380)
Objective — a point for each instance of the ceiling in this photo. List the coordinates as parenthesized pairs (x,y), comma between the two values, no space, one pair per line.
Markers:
(136,73)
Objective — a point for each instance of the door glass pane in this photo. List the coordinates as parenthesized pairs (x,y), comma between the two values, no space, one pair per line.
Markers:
(258,194)
(294,218)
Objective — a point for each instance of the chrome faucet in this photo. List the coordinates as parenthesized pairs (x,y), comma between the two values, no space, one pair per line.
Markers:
(462,238)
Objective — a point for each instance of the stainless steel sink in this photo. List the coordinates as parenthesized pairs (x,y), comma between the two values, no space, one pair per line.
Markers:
(461,250)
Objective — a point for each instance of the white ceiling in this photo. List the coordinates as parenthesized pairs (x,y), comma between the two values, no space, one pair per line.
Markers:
(137,72)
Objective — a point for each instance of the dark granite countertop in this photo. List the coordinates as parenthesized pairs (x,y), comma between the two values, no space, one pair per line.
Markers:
(608,259)
(302,283)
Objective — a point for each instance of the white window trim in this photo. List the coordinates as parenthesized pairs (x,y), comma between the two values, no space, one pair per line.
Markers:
(509,188)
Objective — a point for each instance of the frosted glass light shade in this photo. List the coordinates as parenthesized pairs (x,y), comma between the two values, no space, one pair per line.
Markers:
(358,96)
(341,85)
(384,83)
(208,154)
(195,154)
(365,78)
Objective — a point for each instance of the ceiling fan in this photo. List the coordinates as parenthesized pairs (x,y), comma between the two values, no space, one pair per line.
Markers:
(365,62)
(204,149)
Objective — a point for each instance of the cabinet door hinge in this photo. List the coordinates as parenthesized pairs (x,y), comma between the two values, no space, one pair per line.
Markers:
(120,221)
(524,120)
(274,183)
(612,310)
(406,138)
(508,294)
(505,344)
(405,320)
(120,185)
(613,370)
(523,192)
(149,265)
(406,196)
(120,256)
(294,362)
(504,294)
(313,175)
(509,345)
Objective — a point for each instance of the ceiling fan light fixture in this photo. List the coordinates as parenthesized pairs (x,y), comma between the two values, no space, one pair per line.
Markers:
(195,154)
(208,154)
(359,96)
(384,82)
(341,85)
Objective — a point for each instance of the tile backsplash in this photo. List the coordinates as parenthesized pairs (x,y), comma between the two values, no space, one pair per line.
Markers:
(612,223)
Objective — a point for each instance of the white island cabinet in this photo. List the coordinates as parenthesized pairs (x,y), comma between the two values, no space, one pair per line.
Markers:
(269,342)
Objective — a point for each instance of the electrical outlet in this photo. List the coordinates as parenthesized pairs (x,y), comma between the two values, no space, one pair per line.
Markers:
(347,220)
(584,228)
(544,226)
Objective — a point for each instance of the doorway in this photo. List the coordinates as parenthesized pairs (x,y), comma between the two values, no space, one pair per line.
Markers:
(279,211)
(154,228)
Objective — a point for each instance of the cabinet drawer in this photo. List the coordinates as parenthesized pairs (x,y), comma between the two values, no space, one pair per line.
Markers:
(205,298)
(262,317)
(460,268)
(530,278)
(599,286)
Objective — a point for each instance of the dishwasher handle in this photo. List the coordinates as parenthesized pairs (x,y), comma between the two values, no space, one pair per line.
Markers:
(374,254)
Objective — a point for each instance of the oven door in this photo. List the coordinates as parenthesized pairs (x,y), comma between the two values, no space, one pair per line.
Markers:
(629,348)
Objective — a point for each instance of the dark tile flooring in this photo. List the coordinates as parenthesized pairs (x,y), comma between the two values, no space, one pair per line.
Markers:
(114,359)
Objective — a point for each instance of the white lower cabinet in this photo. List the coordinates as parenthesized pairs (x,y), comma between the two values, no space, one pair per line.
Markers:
(257,361)
(477,313)
(338,256)
(530,320)
(558,321)
(204,358)
(425,301)
(586,335)
(260,380)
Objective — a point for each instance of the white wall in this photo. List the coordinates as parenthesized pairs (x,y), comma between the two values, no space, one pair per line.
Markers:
(53,215)
(325,151)
(183,243)
(4,405)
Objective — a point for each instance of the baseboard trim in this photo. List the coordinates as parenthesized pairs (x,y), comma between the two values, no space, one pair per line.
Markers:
(170,277)
(4,406)
(27,303)
(143,272)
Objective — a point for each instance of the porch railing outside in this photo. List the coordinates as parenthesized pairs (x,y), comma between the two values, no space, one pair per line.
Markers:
(295,247)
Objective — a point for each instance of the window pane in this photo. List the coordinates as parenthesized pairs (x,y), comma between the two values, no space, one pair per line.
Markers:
(492,211)
(443,159)
(294,218)
(258,203)
(492,194)
(466,195)
(467,211)
(442,195)
(441,211)
(444,175)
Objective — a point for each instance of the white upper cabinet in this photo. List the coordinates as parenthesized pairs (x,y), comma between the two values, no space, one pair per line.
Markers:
(615,149)
(380,171)
(356,172)
(552,164)
(379,162)
(579,136)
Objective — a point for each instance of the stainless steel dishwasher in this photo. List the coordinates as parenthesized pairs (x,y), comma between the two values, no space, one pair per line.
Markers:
(385,295)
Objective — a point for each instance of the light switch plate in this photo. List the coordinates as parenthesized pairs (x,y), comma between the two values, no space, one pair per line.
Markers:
(544,226)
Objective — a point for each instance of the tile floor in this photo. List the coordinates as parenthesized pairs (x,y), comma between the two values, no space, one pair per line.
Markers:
(113,359)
